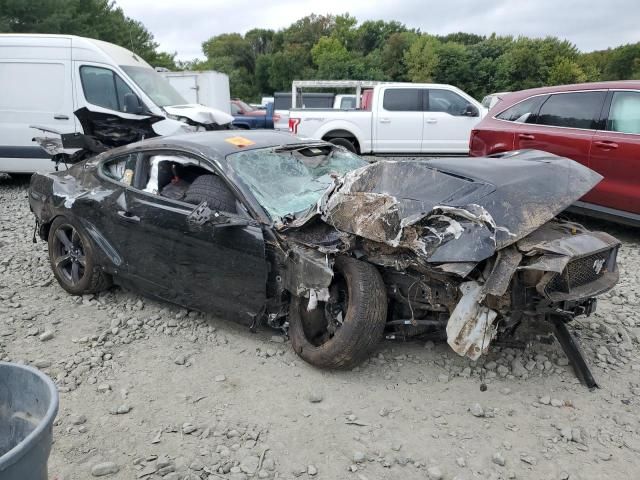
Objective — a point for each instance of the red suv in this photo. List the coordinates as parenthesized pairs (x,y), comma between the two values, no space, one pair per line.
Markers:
(596,124)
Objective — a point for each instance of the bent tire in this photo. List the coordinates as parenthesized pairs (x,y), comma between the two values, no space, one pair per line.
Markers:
(344,142)
(213,190)
(72,257)
(364,315)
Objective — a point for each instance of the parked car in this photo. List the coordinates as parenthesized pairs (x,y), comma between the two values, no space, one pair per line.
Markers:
(271,228)
(45,78)
(491,100)
(595,124)
(403,118)
(248,117)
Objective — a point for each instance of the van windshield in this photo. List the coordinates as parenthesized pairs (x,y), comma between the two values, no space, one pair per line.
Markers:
(154,85)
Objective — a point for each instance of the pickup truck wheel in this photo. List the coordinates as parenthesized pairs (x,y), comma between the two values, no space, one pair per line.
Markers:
(72,258)
(341,332)
(344,142)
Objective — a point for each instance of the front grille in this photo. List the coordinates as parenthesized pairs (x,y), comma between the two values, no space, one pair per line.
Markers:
(580,272)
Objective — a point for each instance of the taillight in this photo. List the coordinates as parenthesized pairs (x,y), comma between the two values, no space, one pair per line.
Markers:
(471,137)
(293,125)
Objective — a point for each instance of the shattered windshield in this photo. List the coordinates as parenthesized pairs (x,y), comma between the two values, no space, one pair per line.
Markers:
(154,85)
(290,179)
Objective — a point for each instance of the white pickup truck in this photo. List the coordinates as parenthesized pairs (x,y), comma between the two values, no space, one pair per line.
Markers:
(397,118)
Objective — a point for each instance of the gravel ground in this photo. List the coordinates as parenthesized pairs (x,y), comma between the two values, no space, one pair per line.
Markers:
(149,390)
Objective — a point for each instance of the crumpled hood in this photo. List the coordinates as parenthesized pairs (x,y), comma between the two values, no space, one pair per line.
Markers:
(454,209)
(200,114)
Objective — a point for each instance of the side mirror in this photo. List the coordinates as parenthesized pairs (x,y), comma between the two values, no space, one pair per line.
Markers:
(132,104)
(471,111)
(203,214)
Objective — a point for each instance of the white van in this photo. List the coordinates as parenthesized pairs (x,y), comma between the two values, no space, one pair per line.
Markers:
(45,78)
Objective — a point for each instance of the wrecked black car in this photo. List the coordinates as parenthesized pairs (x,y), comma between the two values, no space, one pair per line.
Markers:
(306,236)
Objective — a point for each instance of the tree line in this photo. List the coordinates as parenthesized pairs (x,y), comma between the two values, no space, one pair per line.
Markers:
(332,47)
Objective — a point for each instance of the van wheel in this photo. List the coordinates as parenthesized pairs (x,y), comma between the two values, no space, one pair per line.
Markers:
(341,332)
(343,142)
(72,258)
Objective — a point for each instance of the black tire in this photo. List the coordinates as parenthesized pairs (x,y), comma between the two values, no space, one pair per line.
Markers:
(72,256)
(213,190)
(363,324)
(344,142)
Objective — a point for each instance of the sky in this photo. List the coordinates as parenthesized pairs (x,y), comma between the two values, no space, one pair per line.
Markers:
(182,26)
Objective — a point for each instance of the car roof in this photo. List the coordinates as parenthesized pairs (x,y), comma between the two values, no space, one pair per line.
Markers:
(218,144)
(514,97)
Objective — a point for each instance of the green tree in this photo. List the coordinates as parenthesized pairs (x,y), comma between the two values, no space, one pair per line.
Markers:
(564,71)
(331,58)
(422,59)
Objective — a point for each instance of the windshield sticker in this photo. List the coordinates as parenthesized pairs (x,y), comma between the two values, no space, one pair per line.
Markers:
(239,141)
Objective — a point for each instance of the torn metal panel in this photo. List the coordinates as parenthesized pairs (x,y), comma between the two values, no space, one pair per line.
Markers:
(506,264)
(471,325)
(307,270)
(462,269)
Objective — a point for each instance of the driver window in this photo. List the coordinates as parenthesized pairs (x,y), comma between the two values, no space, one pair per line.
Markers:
(186,179)
(104,88)
(447,101)
(121,169)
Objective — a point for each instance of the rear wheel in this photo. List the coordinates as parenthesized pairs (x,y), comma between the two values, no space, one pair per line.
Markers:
(72,258)
(344,142)
(342,331)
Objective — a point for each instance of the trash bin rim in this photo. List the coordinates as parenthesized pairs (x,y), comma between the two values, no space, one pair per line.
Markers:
(17,452)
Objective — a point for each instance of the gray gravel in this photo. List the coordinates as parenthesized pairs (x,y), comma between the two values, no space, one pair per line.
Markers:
(248,407)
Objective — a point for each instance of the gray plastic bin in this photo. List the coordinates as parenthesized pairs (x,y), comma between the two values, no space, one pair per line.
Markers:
(28,406)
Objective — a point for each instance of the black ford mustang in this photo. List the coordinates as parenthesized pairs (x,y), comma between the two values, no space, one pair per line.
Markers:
(302,234)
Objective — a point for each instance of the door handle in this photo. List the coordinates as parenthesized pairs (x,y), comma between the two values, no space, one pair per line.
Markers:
(60,116)
(127,217)
(431,120)
(526,136)
(605,144)
(385,120)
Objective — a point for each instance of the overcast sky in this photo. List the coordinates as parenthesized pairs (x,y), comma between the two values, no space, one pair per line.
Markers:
(182,26)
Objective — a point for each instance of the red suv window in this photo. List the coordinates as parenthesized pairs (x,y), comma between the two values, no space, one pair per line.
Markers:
(523,112)
(572,110)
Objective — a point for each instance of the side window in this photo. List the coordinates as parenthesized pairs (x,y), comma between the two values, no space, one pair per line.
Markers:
(121,169)
(523,112)
(104,88)
(572,110)
(447,101)
(235,110)
(624,114)
(402,100)
(179,177)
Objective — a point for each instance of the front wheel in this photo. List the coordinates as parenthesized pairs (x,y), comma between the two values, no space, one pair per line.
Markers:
(341,332)
(72,258)
(344,142)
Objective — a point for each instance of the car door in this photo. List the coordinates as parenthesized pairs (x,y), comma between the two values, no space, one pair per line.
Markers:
(448,121)
(615,154)
(564,125)
(399,120)
(216,268)
(34,92)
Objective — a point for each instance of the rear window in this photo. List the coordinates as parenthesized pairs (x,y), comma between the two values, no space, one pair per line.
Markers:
(523,112)
(572,110)
(402,100)
(624,114)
